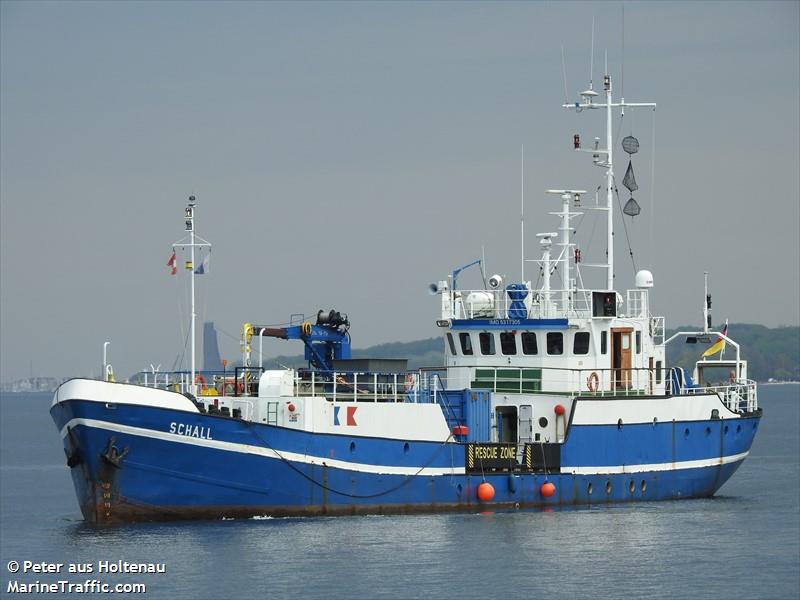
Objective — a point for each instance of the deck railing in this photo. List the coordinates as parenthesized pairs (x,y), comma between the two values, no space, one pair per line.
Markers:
(550,380)
(350,386)
(738,396)
(425,385)
(496,304)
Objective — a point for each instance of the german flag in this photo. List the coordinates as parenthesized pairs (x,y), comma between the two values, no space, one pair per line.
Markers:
(719,345)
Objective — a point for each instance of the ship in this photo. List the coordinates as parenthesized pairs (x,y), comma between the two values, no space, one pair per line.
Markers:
(551,394)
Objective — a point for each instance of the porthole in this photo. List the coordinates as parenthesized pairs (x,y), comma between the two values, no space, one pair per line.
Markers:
(643,486)
(589,488)
(543,422)
(608,487)
(352,446)
(632,486)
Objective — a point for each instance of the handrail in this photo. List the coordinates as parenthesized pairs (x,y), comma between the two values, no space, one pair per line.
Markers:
(539,304)
(407,386)
(738,396)
(361,386)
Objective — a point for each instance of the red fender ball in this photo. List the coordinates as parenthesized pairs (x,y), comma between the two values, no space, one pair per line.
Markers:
(548,489)
(485,492)
(560,410)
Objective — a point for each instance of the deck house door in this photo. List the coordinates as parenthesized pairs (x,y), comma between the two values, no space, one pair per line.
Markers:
(525,428)
(621,356)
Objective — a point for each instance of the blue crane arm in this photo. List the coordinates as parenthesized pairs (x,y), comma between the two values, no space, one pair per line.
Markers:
(456,272)
(323,344)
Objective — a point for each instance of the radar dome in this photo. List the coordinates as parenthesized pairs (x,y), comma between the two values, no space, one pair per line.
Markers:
(644,279)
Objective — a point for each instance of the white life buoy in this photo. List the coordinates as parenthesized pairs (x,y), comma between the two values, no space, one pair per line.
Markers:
(593,382)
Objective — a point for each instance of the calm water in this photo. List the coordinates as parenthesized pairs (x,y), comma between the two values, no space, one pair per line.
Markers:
(744,543)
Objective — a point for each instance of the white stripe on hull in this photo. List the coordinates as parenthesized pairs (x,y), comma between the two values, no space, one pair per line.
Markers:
(670,466)
(383,469)
(261,451)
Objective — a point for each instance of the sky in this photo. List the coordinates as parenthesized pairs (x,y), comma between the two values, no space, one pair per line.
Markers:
(345,155)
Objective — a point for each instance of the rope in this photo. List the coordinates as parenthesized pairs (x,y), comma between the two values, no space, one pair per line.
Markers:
(394,488)
(544,461)
(625,226)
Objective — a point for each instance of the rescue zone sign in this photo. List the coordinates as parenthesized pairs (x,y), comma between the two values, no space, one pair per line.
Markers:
(490,456)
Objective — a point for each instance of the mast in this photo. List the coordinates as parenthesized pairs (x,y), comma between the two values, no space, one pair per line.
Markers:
(546,241)
(565,198)
(609,182)
(194,241)
(587,103)
(190,225)
(566,215)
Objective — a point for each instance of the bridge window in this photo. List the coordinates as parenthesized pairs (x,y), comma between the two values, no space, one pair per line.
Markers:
(466,344)
(451,343)
(658,371)
(529,343)
(487,343)
(581,343)
(638,342)
(508,342)
(603,342)
(555,342)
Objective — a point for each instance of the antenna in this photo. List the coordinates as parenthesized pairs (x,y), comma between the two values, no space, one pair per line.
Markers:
(564,75)
(622,74)
(652,191)
(482,265)
(522,209)
(589,95)
(591,60)
(706,305)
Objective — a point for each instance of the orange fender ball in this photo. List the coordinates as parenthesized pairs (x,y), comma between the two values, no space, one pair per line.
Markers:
(485,492)
(548,489)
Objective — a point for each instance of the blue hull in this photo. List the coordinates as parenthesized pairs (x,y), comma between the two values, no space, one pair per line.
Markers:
(143,463)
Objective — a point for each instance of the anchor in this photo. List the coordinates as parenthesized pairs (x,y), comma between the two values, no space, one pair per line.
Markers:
(112,454)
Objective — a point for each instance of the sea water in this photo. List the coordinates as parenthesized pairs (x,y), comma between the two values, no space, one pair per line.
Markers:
(743,543)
